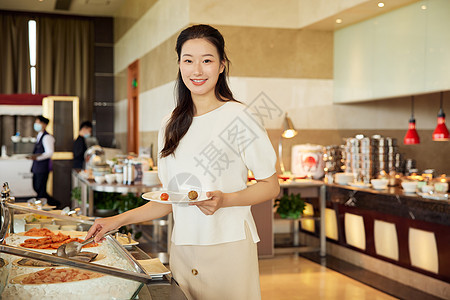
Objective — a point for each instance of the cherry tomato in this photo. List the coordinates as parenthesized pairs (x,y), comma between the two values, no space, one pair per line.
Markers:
(164,196)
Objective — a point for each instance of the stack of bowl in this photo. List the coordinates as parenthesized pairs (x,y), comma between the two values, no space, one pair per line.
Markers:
(379,184)
(386,157)
(357,156)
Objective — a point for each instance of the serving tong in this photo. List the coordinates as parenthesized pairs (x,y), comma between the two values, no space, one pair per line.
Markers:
(73,248)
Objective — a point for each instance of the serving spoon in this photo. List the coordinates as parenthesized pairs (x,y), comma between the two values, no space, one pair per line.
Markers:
(73,248)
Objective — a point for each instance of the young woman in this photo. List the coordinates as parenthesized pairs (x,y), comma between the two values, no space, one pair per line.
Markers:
(209,143)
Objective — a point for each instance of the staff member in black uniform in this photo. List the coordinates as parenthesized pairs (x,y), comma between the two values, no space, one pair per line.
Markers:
(42,153)
(79,145)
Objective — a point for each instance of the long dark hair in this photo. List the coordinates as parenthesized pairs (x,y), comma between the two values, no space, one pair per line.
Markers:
(182,115)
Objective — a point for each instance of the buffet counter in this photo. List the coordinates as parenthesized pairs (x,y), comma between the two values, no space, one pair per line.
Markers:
(404,229)
(35,262)
(100,286)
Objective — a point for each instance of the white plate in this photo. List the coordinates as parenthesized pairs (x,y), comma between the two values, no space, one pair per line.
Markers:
(434,196)
(174,197)
(123,240)
(360,184)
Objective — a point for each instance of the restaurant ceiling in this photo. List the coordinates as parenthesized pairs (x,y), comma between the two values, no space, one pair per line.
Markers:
(72,7)
(353,14)
(357,13)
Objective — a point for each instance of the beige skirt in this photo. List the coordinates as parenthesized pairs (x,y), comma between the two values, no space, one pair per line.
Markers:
(224,271)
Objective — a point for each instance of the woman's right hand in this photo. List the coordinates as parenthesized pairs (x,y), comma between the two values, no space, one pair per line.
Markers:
(101,226)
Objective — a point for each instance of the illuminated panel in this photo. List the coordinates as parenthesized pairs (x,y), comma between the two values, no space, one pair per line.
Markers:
(423,250)
(354,231)
(308,224)
(331,224)
(386,242)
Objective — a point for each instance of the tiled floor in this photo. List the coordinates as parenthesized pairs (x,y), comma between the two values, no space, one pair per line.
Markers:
(293,277)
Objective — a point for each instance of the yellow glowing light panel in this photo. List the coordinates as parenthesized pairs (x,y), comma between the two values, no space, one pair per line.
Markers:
(386,242)
(354,231)
(423,250)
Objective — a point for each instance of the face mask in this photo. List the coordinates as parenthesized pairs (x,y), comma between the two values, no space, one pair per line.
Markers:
(87,135)
(37,127)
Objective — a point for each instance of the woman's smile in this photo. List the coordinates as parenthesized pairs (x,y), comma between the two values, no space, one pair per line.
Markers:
(198,82)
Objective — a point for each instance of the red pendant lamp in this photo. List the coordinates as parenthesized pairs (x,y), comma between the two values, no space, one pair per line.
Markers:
(441,131)
(411,137)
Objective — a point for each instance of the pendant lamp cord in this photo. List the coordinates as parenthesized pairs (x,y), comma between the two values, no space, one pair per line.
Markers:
(442,99)
(412,107)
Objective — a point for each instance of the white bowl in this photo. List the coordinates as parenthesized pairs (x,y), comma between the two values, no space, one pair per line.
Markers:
(99,179)
(150,178)
(119,177)
(16,138)
(110,178)
(409,186)
(441,187)
(343,178)
(379,184)
(26,139)
(427,188)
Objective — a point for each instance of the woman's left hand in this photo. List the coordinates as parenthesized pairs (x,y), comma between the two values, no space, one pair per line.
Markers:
(209,207)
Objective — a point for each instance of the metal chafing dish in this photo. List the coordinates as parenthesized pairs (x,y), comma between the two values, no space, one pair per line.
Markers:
(133,272)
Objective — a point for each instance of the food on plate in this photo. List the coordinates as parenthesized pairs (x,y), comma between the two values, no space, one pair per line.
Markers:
(52,275)
(164,196)
(193,195)
(39,232)
(2,262)
(53,242)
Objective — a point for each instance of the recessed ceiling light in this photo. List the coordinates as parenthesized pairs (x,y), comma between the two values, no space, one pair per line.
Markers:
(339,21)
(380,4)
(423,7)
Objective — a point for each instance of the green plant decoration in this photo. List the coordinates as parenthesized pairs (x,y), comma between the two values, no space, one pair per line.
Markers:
(129,201)
(76,194)
(120,203)
(290,206)
(105,200)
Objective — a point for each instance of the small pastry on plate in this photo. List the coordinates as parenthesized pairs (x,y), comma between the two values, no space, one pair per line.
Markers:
(193,195)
